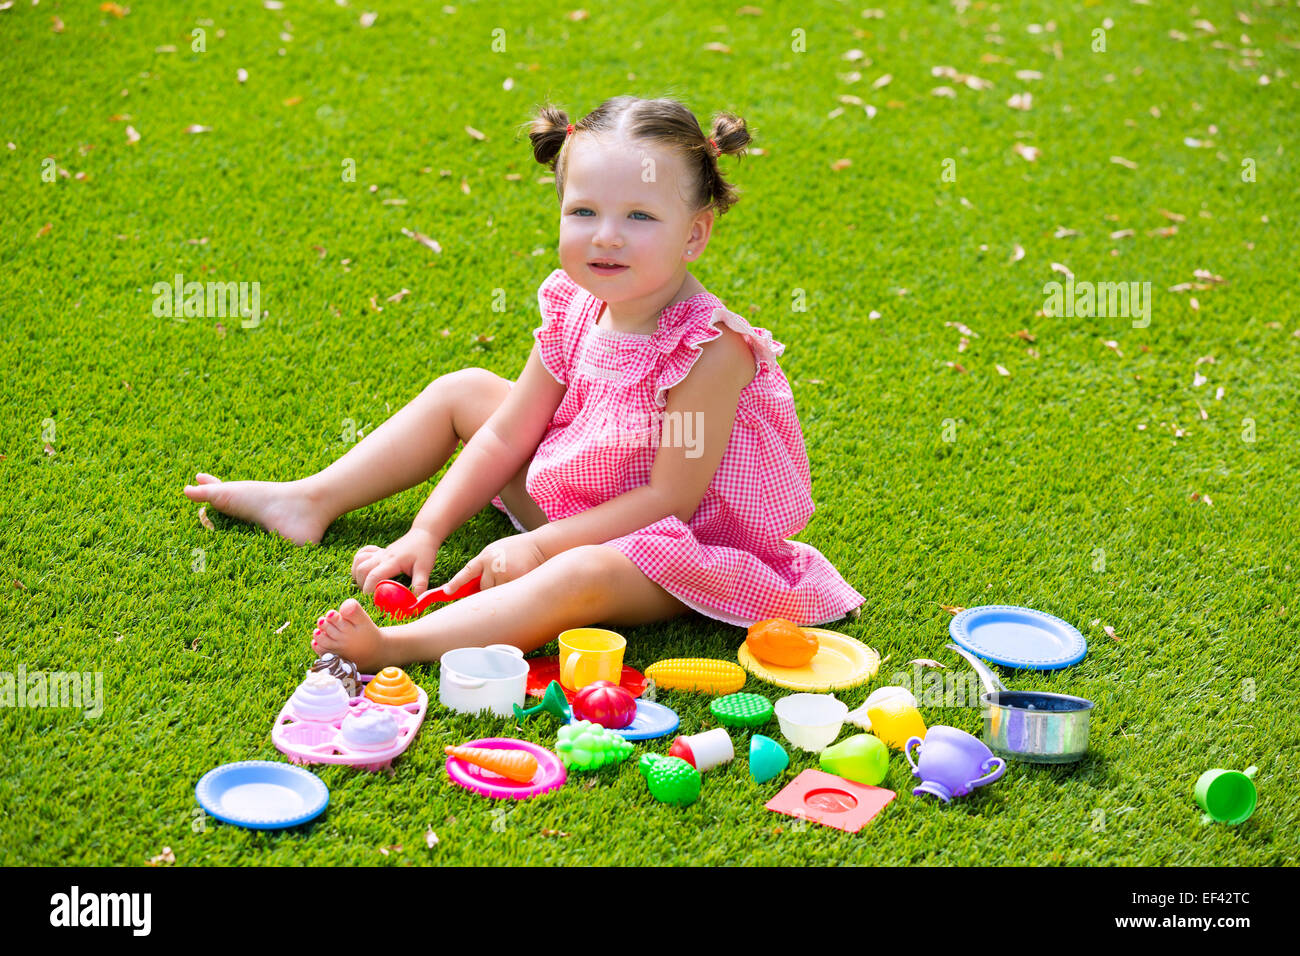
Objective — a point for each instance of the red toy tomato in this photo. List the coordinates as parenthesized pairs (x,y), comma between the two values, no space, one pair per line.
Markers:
(605,703)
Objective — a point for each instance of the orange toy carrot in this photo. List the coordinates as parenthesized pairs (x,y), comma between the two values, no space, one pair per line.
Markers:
(517,765)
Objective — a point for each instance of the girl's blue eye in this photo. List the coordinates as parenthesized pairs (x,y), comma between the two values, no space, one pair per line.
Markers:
(635,213)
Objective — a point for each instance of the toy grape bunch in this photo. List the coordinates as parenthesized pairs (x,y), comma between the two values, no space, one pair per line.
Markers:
(671,779)
(584,745)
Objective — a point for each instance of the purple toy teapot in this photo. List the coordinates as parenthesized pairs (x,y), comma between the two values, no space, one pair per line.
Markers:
(953,763)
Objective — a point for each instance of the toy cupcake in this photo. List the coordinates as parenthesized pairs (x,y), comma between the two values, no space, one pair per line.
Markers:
(345,671)
(369,728)
(320,697)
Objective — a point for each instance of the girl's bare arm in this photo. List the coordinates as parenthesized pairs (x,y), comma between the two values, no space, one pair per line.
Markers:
(496,452)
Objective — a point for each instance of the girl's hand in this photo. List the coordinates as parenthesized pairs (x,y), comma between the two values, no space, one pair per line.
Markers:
(413,553)
(501,561)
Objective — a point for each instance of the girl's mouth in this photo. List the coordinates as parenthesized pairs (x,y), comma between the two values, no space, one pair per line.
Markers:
(605,270)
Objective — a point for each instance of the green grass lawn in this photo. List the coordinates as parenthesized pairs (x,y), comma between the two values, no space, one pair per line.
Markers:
(1101,483)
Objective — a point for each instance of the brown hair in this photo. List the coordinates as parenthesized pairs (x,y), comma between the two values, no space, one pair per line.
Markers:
(663,122)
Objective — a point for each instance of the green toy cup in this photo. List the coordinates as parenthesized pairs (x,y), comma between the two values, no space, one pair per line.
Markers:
(1226,796)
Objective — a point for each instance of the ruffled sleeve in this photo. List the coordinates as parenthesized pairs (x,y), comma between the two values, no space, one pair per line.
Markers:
(683,346)
(555,298)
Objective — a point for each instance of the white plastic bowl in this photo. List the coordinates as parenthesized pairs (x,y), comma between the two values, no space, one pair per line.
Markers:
(811,721)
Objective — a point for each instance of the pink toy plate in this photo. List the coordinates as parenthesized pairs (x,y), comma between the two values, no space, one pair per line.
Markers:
(310,741)
(550,771)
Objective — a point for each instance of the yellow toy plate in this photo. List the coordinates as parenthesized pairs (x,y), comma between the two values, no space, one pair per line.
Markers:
(840,662)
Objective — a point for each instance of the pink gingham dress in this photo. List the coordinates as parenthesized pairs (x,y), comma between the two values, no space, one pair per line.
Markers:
(732,561)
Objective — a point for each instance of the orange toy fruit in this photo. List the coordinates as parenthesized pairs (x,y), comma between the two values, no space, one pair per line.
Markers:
(781,642)
(392,686)
(517,765)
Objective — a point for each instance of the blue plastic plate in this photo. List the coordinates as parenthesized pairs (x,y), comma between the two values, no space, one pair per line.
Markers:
(651,720)
(1018,637)
(262,794)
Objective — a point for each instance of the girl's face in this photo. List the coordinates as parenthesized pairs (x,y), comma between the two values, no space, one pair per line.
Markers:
(625,203)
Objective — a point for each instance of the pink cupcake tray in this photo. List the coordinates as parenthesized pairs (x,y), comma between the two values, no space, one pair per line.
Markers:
(315,741)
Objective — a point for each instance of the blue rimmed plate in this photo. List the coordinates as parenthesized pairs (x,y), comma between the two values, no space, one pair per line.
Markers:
(651,720)
(1018,637)
(262,794)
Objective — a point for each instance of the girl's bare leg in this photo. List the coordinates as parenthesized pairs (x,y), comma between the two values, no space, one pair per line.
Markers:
(590,585)
(402,452)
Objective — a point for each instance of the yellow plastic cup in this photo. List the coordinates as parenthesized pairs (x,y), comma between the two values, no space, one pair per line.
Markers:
(589,654)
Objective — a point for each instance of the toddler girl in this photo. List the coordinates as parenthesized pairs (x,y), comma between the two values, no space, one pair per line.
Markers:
(649,454)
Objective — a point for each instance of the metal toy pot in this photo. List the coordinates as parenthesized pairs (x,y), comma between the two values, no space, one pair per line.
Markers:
(1031,726)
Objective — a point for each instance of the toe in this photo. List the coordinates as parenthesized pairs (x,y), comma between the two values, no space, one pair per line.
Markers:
(352,611)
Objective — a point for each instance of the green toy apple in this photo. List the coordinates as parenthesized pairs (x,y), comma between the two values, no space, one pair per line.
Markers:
(862,758)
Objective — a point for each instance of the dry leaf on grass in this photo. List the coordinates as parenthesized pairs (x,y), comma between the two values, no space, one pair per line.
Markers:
(205,520)
(280,629)
(399,296)
(367,19)
(1002,371)
(196,128)
(165,858)
(952,608)
(132,137)
(1126,163)
(926,662)
(422,239)
(1017,253)
(1110,632)
(430,839)
(841,164)
(1197,496)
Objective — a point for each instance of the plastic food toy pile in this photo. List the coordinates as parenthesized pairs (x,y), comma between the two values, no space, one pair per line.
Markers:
(337,716)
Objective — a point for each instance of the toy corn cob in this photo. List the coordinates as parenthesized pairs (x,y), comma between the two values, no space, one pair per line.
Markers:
(698,674)
(587,746)
(517,765)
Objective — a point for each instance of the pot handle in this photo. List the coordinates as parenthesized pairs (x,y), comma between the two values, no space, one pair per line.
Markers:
(454,678)
(507,648)
(988,679)
(907,752)
(989,777)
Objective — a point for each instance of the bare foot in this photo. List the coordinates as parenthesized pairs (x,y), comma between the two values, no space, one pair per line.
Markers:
(282,507)
(349,633)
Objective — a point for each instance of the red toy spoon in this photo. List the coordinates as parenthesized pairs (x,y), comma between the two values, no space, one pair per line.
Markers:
(398,601)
